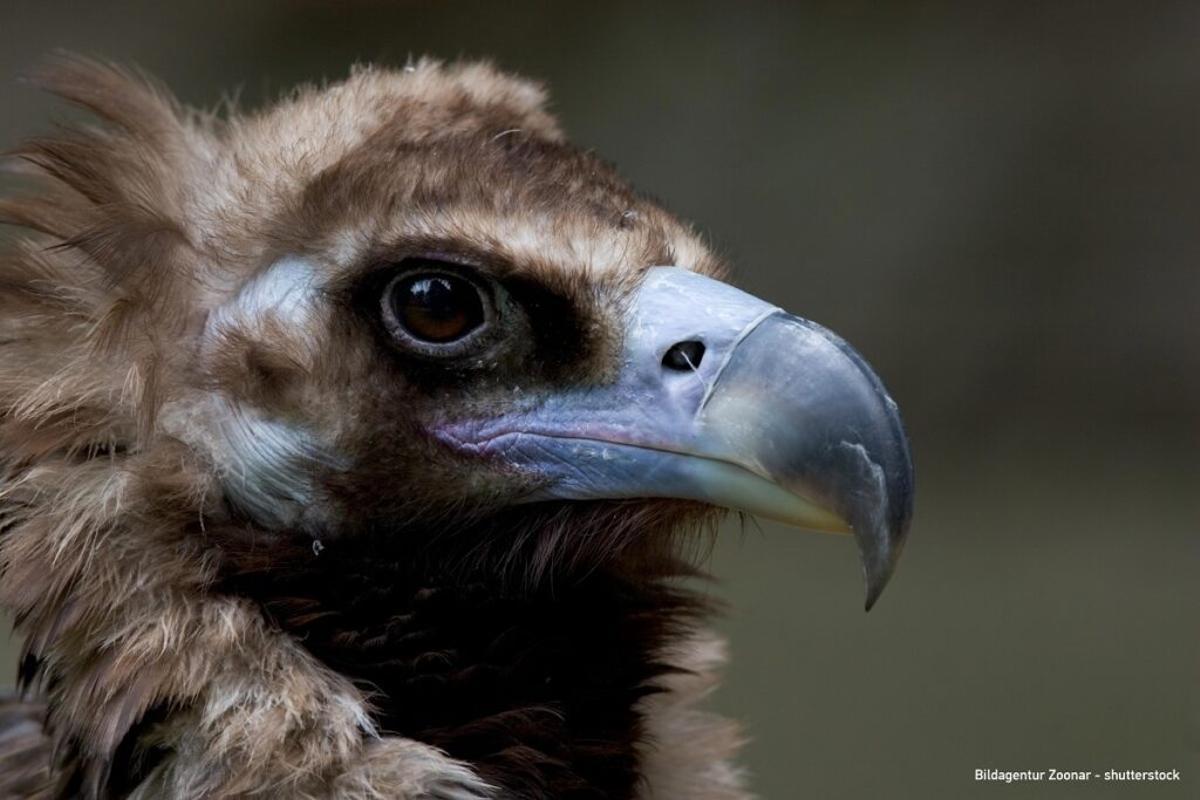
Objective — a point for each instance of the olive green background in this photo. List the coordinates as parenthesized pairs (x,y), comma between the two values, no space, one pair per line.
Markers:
(999,207)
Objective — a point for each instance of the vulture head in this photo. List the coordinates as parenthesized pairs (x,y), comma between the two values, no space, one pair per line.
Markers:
(349,449)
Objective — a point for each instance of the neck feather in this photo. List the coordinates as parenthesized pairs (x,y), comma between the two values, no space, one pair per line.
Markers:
(538,685)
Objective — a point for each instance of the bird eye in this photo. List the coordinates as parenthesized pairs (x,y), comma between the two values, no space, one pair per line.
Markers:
(434,308)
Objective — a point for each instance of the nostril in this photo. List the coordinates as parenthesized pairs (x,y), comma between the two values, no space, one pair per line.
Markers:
(684,356)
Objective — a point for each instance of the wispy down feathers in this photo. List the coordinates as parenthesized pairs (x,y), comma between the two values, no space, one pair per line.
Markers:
(117,518)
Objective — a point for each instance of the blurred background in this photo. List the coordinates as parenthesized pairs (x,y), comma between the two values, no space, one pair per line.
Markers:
(1000,209)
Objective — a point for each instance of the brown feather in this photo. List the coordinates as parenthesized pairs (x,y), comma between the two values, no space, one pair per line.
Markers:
(156,677)
(24,750)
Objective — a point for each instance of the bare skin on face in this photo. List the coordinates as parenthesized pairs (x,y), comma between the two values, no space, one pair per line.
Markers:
(256,523)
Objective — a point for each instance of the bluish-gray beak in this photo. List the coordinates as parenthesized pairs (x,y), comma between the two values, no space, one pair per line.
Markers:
(771,414)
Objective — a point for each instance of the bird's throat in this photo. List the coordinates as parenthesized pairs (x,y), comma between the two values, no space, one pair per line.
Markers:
(537,684)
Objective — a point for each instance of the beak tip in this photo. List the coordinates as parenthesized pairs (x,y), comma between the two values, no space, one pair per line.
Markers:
(879,558)
(875,587)
(881,540)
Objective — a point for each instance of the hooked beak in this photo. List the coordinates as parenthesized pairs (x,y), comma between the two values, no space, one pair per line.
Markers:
(772,415)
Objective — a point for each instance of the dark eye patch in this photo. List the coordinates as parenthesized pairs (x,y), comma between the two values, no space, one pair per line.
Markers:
(533,331)
(562,330)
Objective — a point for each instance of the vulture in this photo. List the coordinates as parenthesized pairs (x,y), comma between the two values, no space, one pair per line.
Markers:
(358,448)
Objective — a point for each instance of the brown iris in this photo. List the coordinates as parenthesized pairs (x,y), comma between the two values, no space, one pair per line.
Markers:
(437,308)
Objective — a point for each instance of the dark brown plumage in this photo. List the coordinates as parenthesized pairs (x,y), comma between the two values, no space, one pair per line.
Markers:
(183,646)
(353,449)
(535,683)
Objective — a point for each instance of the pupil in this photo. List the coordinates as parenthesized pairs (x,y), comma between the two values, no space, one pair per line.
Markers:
(436,297)
(438,308)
